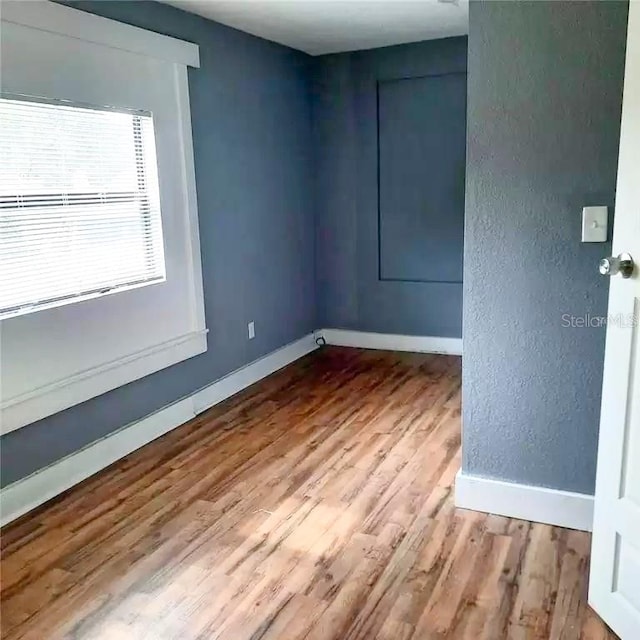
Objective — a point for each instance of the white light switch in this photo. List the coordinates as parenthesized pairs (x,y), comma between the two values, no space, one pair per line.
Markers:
(594,224)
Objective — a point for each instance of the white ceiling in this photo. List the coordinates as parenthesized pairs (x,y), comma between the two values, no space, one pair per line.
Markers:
(329,26)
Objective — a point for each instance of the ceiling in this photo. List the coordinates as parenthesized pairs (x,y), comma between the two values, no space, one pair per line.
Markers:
(330,26)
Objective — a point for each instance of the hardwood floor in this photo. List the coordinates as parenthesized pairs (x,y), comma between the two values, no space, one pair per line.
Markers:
(317,504)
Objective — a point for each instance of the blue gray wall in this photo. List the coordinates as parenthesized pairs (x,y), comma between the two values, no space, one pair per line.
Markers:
(421,169)
(544,101)
(393,263)
(251,116)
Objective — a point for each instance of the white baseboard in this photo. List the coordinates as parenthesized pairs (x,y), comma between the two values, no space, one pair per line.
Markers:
(391,342)
(250,374)
(30,492)
(525,502)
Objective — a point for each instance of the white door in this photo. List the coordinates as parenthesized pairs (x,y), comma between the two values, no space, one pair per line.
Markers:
(614,588)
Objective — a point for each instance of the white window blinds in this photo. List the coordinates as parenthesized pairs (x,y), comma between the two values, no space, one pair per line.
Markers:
(79,203)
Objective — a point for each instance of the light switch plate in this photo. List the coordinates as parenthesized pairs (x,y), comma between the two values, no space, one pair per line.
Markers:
(594,224)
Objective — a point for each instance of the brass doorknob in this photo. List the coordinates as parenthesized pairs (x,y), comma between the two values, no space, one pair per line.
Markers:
(614,265)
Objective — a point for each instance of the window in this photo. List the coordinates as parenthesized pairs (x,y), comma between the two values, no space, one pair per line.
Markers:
(100,268)
(79,203)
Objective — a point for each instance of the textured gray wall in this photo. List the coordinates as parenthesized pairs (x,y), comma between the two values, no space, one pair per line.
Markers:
(251,116)
(350,292)
(544,102)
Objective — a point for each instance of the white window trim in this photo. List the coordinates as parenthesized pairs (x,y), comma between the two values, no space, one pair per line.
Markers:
(57,18)
(44,401)
(65,393)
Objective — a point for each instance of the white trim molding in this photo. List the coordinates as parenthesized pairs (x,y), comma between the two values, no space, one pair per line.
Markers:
(27,494)
(525,502)
(54,397)
(56,18)
(252,373)
(391,342)
(30,492)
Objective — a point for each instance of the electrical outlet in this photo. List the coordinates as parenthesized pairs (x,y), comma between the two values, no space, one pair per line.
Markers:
(251,328)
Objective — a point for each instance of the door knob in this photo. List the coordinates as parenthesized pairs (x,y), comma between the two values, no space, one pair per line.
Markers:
(622,264)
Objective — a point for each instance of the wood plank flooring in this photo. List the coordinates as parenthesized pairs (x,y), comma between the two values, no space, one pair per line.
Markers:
(317,504)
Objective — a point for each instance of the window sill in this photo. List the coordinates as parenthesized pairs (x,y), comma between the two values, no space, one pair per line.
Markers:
(41,402)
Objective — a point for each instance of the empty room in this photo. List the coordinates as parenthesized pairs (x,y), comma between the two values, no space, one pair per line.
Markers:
(319,320)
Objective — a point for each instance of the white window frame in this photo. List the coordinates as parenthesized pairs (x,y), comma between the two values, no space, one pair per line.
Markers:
(58,394)
(46,198)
